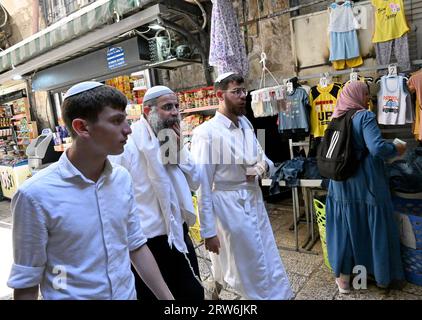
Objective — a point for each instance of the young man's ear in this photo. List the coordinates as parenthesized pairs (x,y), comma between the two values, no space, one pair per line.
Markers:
(219,94)
(80,126)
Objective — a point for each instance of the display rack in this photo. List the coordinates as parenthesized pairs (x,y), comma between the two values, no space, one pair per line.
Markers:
(6,127)
(24,129)
(205,109)
(197,105)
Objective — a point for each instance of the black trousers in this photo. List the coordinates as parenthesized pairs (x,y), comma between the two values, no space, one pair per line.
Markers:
(175,270)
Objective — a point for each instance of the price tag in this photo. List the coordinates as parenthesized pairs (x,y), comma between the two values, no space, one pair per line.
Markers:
(392,70)
(289,87)
(353,76)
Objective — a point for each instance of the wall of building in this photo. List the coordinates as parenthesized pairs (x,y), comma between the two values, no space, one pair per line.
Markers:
(20,18)
(271,36)
(20,14)
(43,111)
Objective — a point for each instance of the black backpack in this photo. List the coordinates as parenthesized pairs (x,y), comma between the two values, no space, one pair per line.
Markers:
(336,158)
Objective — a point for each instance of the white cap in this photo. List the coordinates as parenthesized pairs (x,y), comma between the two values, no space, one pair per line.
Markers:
(224,76)
(157,91)
(81,87)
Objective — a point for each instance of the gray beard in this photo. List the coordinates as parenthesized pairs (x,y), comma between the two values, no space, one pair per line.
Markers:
(157,124)
(155,121)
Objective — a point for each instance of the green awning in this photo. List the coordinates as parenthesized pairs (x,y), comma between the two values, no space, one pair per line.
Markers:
(75,25)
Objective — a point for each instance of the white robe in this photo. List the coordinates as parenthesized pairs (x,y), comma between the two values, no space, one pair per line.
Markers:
(233,209)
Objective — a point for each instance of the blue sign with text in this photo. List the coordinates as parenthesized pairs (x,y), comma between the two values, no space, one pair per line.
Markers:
(115,57)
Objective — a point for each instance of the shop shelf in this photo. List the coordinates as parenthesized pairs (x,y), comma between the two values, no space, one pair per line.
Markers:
(200,109)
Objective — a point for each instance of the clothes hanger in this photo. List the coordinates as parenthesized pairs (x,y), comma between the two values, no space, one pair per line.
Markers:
(392,70)
(354,76)
(289,86)
(368,79)
(324,81)
(295,82)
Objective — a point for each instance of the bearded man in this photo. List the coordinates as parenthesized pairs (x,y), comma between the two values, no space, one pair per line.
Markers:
(234,222)
(163,177)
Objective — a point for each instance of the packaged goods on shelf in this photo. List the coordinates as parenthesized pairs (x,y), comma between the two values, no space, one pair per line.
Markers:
(134,110)
(138,96)
(197,98)
(123,84)
(191,122)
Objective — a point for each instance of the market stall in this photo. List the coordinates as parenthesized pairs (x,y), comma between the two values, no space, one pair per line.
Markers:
(17,130)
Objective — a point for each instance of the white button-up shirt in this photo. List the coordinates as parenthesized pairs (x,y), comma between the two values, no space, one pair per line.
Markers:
(73,236)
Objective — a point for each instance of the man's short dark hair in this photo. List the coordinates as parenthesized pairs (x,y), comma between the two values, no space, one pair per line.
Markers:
(224,84)
(88,104)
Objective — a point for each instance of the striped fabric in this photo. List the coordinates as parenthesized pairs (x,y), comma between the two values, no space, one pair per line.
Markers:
(75,25)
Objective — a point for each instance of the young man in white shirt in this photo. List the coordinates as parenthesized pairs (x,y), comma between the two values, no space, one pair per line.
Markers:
(234,221)
(164,175)
(76,228)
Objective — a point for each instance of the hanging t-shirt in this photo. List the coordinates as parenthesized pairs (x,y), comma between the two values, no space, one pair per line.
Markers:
(390,20)
(344,43)
(322,101)
(394,103)
(417,125)
(294,116)
(415,84)
(342,18)
(307,88)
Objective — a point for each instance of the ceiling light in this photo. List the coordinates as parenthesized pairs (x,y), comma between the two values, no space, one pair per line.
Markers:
(16,76)
(156,27)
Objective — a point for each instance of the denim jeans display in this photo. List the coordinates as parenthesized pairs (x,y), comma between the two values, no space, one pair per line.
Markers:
(406,175)
(292,171)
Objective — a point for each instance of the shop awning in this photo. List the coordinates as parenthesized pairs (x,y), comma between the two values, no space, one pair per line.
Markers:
(75,25)
(80,31)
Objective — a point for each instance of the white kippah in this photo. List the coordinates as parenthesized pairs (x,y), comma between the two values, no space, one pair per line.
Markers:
(81,87)
(224,76)
(157,91)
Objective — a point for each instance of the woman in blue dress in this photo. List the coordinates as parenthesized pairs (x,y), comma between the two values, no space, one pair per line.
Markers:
(360,225)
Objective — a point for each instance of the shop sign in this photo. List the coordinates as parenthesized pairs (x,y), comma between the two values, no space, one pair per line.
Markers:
(115,57)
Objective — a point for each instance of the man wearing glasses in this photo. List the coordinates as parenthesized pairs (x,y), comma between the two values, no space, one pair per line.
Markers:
(234,221)
(163,177)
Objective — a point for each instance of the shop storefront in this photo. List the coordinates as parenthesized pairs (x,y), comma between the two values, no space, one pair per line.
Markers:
(17,130)
(120,65)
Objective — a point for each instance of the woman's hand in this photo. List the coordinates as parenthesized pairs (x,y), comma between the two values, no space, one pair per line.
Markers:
(401,148)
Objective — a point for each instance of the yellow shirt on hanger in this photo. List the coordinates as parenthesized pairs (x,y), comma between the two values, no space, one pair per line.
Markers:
(323,101)
(390,20)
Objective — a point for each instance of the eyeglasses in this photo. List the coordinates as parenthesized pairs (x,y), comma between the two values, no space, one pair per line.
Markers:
(238,91)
